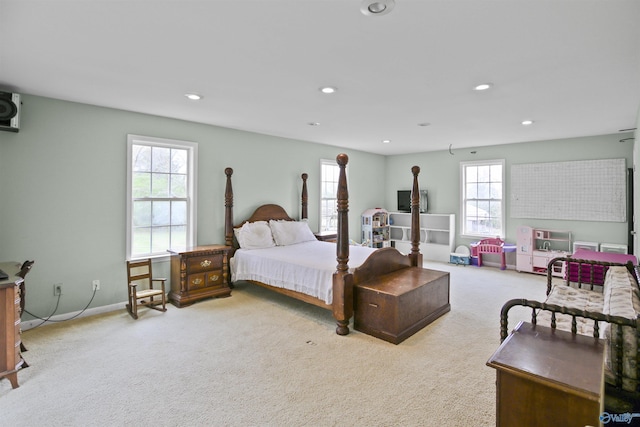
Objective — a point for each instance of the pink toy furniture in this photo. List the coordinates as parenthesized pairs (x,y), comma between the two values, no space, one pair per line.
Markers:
(491,246)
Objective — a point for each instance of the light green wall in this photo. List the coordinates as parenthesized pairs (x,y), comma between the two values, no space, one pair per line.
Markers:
(440,176)
(62,191)
(63,177)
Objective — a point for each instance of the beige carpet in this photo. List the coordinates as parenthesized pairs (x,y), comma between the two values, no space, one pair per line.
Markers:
(259,359)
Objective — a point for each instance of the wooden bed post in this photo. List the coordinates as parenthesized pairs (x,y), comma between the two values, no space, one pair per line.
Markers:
(415,256)
(228,209)
(342,279)
(305,197)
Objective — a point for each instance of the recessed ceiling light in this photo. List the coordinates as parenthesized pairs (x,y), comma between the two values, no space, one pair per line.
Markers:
(313,124)
(527,122)
(328,89)
(376,7)
(386,141)
(424,124)
(193,96)
(483,86)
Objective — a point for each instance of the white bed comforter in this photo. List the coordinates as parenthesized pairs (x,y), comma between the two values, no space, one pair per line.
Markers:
(304,267)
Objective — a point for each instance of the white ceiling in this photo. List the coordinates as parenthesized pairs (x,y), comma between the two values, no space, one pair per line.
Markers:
(572,66)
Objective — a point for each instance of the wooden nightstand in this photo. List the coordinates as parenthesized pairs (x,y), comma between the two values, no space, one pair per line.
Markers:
(546,376)
(199,272)
(327,236)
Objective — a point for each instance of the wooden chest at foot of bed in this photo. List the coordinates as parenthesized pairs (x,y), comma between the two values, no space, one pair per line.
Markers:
(395,306)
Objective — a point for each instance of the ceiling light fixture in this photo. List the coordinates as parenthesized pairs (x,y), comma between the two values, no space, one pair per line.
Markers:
(193,96)
(386,141)
(483,86)
(527,122)
(376,7)
(328,89)
(313,124)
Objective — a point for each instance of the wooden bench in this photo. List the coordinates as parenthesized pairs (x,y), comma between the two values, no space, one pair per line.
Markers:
(396,305)
(607,310)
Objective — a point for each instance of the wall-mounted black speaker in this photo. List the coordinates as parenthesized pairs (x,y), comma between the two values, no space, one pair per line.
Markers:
(9,111)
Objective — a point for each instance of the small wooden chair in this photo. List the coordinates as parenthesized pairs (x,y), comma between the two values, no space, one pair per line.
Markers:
(24,270)
(140,288)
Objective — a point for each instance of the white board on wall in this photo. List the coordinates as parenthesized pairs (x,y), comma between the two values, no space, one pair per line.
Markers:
(583,190)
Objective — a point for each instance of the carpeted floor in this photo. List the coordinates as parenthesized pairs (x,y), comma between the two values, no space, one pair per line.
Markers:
(260,359)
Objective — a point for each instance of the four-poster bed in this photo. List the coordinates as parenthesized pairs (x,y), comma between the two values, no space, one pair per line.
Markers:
(340,282)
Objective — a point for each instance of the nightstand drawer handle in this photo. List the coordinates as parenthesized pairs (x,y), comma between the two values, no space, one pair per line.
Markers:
(206,263)
(373,305)
(196,281)
(214,278)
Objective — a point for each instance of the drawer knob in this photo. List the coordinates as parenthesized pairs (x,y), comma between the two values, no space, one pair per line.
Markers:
(196,281)
(206,263)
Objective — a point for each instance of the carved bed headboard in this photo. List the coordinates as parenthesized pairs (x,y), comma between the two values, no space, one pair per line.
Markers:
(262,213)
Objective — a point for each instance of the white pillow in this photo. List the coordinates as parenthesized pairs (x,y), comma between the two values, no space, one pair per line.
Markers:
(290,232)
(254,235)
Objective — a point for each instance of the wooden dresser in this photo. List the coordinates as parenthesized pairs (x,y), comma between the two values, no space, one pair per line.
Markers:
(10,358)
(199,272)
(548,377)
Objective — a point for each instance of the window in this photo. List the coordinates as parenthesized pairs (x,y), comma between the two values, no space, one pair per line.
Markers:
(161,188)
(482,198)
(329,173)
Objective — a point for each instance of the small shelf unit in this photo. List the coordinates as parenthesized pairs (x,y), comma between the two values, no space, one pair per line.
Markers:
(437,234)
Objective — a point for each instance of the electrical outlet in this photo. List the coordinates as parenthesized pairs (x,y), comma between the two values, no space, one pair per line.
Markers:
(57,289)
(96,285)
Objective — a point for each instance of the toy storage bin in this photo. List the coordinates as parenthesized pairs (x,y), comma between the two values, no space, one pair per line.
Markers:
(592,246)
(462,256)
(613,248)
(459,259)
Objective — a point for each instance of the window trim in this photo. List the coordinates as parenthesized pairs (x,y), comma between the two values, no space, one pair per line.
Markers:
(192,183)
(463,200)
(330,162)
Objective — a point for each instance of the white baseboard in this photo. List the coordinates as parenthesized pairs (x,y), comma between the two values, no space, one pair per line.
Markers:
(28,324)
